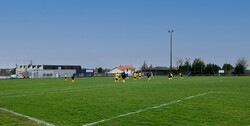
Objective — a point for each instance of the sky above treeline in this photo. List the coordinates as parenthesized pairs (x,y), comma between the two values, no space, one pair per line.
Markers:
(109,33)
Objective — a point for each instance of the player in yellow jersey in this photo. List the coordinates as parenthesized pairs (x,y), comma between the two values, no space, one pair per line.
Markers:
(181,75)
(117,77)
(135,75)
(65,77)
(139,75)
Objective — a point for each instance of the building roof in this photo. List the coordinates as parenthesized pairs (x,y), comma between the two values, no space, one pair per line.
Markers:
(159,68)
(125,67)
(175,68)
(163,68)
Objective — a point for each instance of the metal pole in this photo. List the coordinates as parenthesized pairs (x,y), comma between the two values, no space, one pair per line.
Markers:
(171,51)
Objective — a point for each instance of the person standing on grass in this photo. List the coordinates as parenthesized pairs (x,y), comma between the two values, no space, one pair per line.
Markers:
(127,76)
(135,75)
(117,77)
(181,75)
(170,75)
(123,77)
(65,77)
(149,76)
(73,78)
(140,75)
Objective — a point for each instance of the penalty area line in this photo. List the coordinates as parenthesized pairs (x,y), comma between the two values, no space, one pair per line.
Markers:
(28,117)
(142,110)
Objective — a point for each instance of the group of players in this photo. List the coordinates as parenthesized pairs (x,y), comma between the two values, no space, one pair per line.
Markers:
(73,77)
(124,76)
(139,75)
(170,76)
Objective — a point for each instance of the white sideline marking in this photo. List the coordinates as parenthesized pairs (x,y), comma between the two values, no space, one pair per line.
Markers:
(44,93)
(28,117)
(17,94)
(142,110)
(35,91)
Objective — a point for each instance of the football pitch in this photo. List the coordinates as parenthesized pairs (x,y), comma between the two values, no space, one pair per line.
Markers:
(98,101)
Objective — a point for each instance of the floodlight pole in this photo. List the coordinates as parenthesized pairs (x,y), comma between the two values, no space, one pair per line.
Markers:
(171,32)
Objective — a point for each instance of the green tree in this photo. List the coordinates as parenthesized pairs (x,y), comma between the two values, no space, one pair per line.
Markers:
(198,66)
(227,67)
(179,62)
(239,69)
(151,66)
(144,66)
(100,70)
(241,66)
(186,67)
(212,69)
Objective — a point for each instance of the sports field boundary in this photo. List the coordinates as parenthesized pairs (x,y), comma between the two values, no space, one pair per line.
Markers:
(28,117)
(142,110)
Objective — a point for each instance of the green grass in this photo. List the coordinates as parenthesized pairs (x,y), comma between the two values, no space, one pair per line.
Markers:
(92,99)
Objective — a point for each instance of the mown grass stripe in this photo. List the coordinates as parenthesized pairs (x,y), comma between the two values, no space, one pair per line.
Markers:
(142,110)
(28,117)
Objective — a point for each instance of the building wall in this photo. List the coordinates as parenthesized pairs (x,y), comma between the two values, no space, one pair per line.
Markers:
(50,73)
(115,70)
(85,72)
(127,71)
(39,71)
(26,68)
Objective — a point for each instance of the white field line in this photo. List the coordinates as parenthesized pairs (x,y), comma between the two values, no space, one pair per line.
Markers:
(35,91)
(52,92)
(28,117)
(142,110)
(44,93)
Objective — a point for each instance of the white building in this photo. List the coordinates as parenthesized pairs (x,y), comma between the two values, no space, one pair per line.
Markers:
(46,71)
(127,69)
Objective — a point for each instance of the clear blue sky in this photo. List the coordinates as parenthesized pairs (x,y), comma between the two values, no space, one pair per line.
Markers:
(107,33)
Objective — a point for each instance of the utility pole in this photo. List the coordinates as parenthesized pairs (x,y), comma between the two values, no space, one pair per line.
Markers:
(171,32)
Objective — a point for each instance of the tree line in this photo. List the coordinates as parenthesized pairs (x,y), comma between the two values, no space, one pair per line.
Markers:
(199,67)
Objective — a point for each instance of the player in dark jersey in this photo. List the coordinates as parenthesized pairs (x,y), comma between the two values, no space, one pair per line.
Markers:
(181,75)
(149,76)
(170,75)
(73,78)
(123,77)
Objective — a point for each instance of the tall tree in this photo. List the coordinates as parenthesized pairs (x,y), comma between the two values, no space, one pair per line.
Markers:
(212,69)
(198,66)
(144,66)
(179,62)
(151,66)
(241,66)
(100,70)
(227,67)
(186,67)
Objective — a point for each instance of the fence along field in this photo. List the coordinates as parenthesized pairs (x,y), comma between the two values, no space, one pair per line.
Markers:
(98,101)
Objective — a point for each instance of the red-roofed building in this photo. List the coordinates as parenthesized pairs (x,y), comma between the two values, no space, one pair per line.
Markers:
(127,69)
